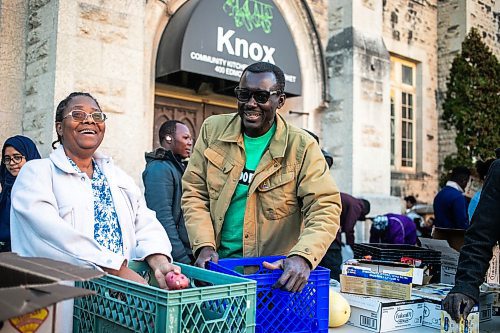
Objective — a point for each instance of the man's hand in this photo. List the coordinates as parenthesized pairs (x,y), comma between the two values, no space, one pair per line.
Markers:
(125,273)
(454,302)
(207,253)
(160,264)
(296,272)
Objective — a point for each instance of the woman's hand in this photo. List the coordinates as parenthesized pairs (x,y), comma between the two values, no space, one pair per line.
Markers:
(125,273)
(160,264)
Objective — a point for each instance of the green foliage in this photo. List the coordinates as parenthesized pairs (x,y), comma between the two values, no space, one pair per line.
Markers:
(472,104)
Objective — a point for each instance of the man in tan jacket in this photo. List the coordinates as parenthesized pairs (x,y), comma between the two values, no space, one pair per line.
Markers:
(257,186)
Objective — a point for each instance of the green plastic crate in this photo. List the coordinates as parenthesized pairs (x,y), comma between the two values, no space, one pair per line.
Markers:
(226,304)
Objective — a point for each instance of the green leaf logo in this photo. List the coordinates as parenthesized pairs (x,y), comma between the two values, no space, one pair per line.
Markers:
(251,14)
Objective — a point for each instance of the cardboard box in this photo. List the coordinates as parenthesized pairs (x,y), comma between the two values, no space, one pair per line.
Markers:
(471,325)
(493,274)
(433,295)
(378,314)
(30,288)
(389,267)
(449,258)
(363,281)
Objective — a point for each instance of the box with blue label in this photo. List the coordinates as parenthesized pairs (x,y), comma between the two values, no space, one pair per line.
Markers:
(363,281)
(379,314)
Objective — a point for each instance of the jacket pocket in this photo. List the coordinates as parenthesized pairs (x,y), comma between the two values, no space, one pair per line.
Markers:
(67,213)
(278,196)
(218,169)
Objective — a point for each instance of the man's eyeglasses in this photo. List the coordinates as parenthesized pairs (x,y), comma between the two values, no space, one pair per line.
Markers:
(260,96)
(15,158)
(78,115)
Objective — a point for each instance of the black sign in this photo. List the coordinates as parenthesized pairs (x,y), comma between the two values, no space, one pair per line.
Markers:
(220,38)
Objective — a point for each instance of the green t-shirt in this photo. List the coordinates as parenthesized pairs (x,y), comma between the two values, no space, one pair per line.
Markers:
(231,245)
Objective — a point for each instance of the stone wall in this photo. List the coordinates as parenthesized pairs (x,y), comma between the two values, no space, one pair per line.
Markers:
(357,119)
(100,49)
(451,31)
(410,33)
(41,50)
(319,10)
(12,66)
(456,17)
(484,15)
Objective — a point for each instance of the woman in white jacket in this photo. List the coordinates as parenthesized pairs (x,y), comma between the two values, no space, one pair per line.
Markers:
(77,207)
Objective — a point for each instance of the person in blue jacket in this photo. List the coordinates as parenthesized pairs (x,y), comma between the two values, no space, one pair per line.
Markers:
(16,151)
(162,182)
(450,205)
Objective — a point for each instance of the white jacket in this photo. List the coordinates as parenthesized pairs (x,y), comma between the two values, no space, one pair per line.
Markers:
(52,214)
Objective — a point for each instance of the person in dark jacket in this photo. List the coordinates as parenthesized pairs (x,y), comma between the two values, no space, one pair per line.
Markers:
(450,205)
(476,252)
(162,182)
(393,229)
(16,151)
(353,210)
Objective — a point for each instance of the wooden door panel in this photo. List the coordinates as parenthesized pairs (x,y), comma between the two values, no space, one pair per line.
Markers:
(214,109)
(190,113)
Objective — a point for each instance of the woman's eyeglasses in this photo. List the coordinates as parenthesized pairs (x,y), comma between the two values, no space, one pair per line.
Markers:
(14,158)
(260,96)
(78,115)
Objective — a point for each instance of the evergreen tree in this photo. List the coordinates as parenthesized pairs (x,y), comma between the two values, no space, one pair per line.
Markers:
(472,104)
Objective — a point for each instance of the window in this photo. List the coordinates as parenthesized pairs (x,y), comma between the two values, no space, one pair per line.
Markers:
(403,98)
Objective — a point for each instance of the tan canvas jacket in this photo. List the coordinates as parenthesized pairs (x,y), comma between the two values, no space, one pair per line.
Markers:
(293,204)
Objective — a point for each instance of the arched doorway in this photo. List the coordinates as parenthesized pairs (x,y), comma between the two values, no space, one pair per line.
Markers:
(198,64)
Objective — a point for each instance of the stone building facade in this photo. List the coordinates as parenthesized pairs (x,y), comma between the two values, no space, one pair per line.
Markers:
(373,77)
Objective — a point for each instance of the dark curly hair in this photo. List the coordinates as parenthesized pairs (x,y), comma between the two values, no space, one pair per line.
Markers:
(62,106)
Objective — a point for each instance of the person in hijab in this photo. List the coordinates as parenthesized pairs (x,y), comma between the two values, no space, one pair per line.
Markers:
(16,151)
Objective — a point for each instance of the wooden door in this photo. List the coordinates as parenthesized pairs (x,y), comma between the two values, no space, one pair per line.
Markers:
(189,112)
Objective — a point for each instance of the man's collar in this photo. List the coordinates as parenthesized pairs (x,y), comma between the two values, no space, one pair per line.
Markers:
(277,146)
(455,185)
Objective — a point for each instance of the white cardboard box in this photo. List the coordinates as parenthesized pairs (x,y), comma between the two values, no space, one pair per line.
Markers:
(433,294)
(29,288)
(378,314)
(39,321)
(493,274)
(471,325)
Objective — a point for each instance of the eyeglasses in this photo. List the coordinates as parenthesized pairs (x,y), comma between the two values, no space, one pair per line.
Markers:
(260,96)
(78,115)
(15,158)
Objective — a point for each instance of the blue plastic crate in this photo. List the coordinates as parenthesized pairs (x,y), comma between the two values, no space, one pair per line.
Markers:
(282,311)
(226,304)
